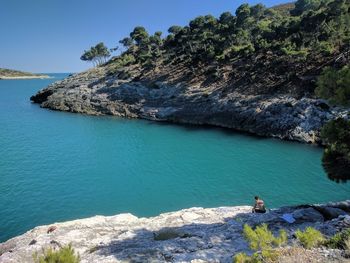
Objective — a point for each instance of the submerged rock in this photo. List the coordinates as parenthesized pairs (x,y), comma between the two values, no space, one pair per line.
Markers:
(190,235)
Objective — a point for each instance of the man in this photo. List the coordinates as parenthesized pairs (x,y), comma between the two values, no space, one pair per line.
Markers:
(259,206)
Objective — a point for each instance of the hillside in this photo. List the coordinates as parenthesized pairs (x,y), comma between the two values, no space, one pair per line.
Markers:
(15,74)
(255,71)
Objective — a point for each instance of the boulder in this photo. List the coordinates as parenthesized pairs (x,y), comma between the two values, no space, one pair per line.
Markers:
(307,215)
(329,212)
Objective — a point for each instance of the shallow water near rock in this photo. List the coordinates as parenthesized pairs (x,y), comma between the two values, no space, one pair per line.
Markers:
(57,166)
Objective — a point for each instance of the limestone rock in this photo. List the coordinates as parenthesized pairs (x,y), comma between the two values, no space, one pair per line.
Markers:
(281,116)
(190,235)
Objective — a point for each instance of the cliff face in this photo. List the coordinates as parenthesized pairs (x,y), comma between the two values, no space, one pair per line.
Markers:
(191,235)
(275,115)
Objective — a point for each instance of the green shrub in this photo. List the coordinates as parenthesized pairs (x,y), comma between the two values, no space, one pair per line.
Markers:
(290,49)
(325,47)
(310,237)
(334,85)
(244,48)
(267,255)
(262,238)
(281,239)
(339,240)
(263,241)
(242,258)
(63,255)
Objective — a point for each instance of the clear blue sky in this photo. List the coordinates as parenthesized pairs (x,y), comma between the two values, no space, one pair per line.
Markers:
(50,35)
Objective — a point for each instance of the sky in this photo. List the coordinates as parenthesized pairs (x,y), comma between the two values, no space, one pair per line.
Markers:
(50,35)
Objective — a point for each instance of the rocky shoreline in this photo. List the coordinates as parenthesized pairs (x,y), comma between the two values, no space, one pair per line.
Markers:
(281,116)
(190,235)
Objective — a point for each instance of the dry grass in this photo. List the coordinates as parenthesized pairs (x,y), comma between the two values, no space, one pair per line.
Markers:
(302,255)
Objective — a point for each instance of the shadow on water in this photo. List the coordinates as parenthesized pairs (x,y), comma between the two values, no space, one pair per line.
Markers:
(207,127)
(184,126)
(337,168)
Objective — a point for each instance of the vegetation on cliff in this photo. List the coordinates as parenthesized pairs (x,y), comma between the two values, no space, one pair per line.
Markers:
(258,50)
(271,248)
(334,85)
(65,254)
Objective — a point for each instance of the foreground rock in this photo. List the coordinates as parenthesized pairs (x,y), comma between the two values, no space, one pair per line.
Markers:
(97,93)
(191,235)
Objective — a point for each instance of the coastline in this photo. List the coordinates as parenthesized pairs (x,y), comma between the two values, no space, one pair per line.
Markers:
(189,235)
(281,116)
(24,77)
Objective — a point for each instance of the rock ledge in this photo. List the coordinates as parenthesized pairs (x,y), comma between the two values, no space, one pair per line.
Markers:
(190,235)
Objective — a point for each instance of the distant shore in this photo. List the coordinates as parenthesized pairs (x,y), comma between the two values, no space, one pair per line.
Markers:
(16,74)
(26,77)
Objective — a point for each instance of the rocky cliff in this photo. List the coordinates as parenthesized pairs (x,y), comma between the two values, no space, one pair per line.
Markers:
(190,235)
(96,92)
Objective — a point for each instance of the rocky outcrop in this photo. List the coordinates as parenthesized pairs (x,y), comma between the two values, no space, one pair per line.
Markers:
(281,116)
(190,235)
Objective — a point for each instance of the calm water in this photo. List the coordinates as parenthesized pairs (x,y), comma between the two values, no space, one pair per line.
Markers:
(58,166)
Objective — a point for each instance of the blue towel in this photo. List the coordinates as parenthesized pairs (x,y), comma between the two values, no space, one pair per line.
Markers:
(288,218)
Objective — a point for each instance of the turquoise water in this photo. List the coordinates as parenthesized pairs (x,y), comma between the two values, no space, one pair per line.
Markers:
(58,166)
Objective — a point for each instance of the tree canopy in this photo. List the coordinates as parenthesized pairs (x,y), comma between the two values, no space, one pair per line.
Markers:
(336,157)
(334,85)
(97,54)
(312,26)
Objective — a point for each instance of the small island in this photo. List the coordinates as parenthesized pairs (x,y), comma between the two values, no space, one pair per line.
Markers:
(15,74)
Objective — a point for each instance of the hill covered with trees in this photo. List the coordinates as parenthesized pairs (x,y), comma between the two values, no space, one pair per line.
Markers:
(15,74)
(257,50)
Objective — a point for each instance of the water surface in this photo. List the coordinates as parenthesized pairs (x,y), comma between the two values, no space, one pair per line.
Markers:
(57,166)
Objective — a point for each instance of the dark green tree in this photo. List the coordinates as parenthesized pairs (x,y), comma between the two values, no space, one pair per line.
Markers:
(336,157)
(305,5)
(334,85)
(97,54)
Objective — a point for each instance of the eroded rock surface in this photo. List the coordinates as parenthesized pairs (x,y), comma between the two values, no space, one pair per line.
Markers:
(95,92)
(190,235)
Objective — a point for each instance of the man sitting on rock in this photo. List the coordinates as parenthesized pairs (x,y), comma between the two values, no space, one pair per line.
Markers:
(259,206)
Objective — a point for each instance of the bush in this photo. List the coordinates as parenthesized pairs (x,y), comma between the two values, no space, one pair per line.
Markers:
(267,255)
(262,238)
(310,237)
(334,85)
(302,53)
(340,240)
(120,62)
(325,47)
(242,258)
(63,255)
(263,241)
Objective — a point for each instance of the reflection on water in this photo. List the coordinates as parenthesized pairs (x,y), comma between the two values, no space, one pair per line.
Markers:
(336,167)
